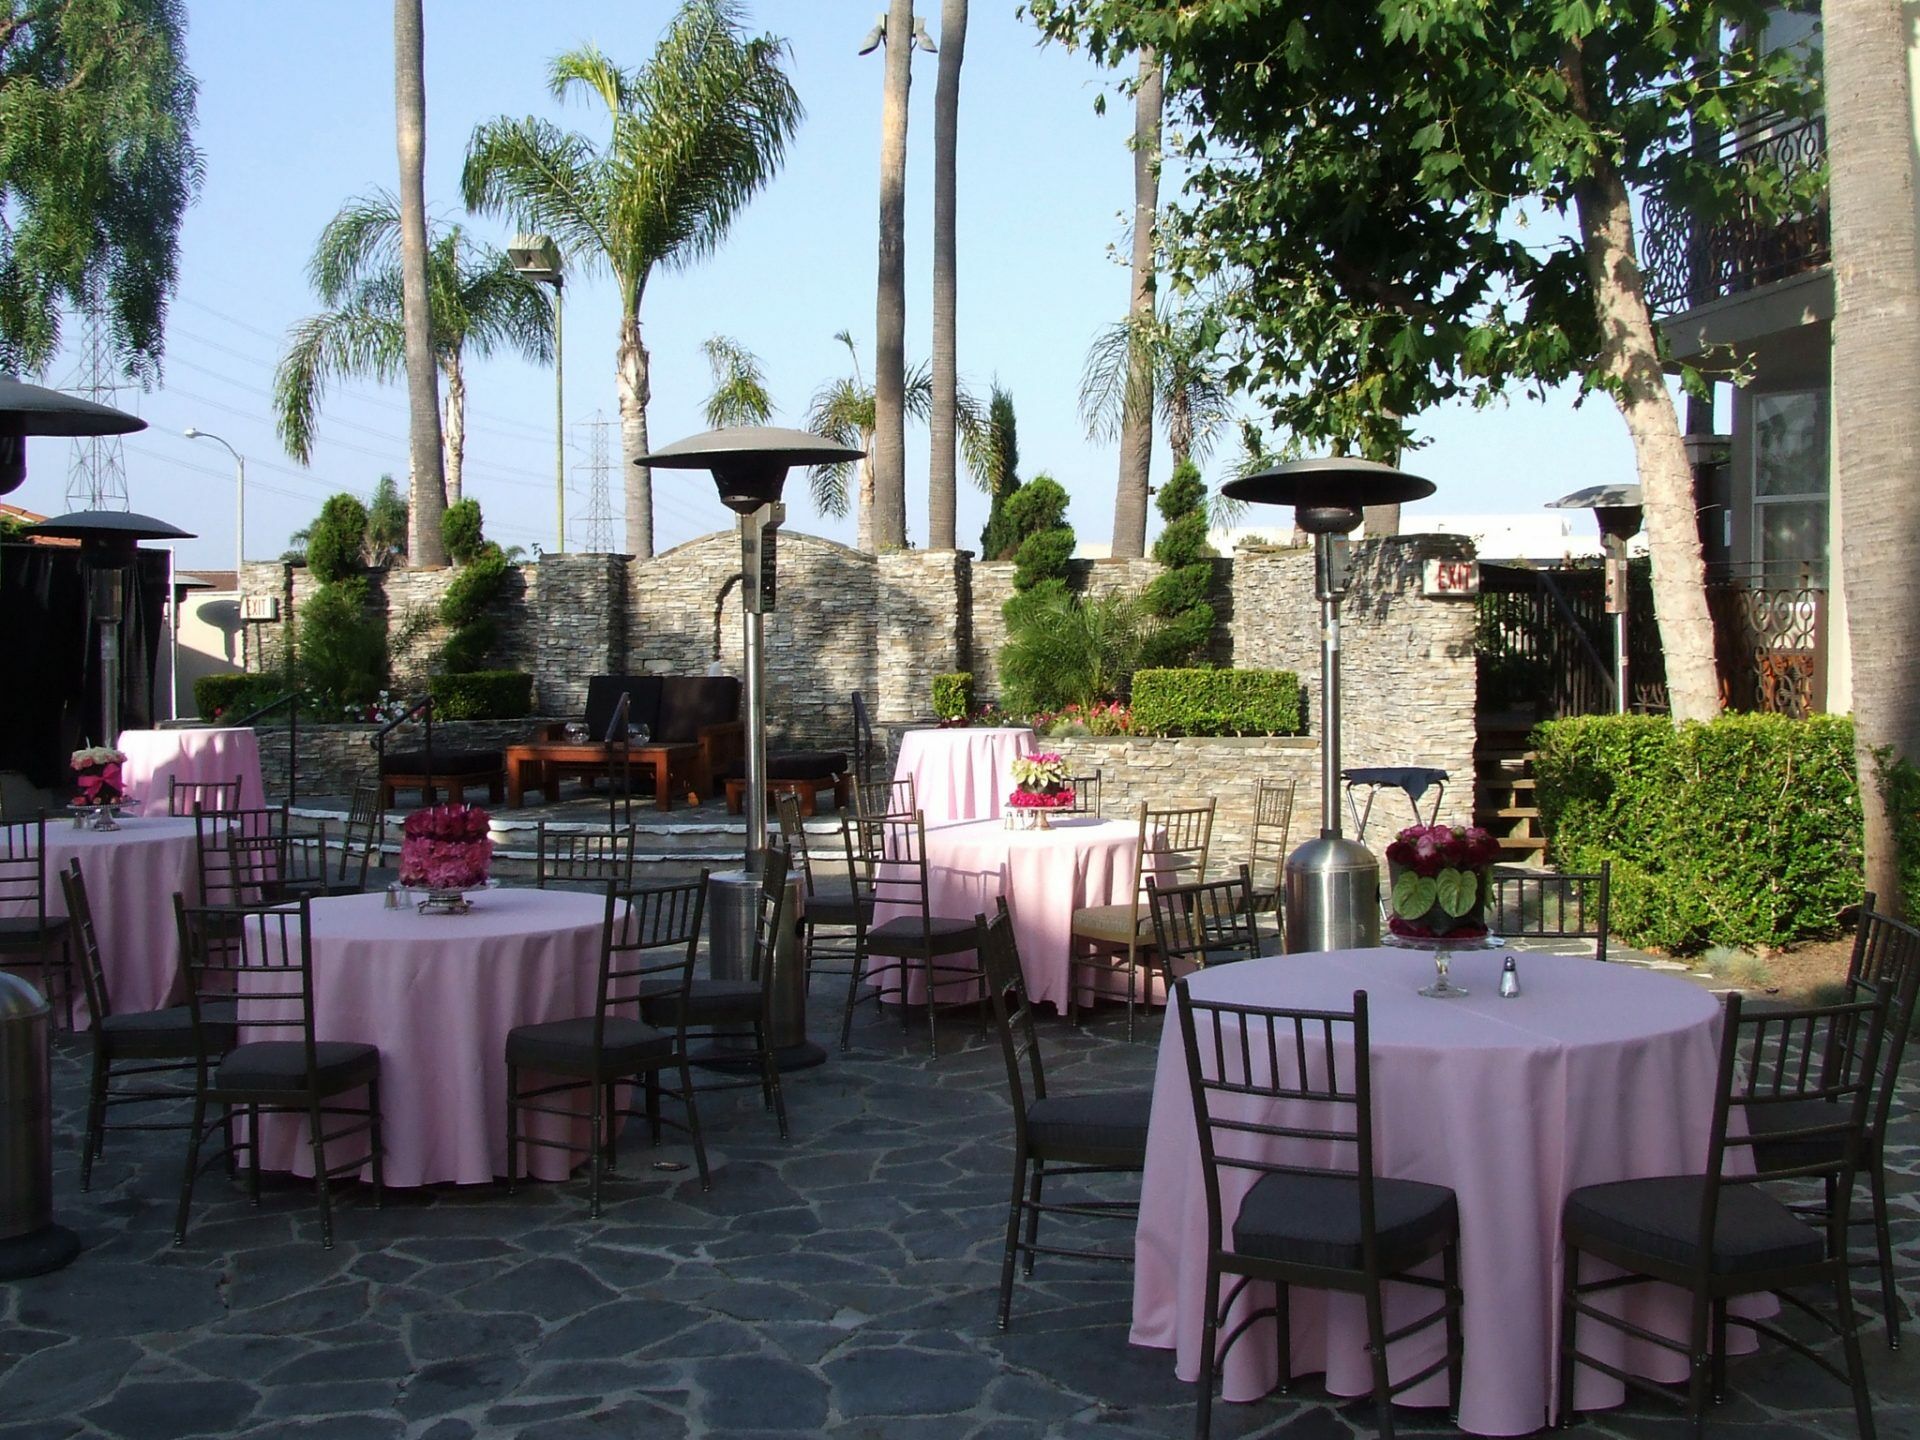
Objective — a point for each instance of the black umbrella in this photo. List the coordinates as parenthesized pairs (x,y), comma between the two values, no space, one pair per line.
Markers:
(35,410)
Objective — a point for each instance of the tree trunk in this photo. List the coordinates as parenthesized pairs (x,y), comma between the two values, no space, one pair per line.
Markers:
(1136,414)
(630,359)
(454,430)
(1630,359)
(427,498)
(943,423)
(890,314)
(1876,393)
(863,503)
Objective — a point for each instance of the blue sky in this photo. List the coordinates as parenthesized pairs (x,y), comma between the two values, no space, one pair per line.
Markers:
(296,115)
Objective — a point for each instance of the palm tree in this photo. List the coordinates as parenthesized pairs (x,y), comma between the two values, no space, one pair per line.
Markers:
(1876,392)
(693,135)
(943,425)
(477,301)
(1170,354)
(1136,419)
(739,395)
(429,497)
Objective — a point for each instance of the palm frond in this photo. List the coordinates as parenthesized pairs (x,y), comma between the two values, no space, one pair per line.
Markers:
(503,309)
(363,237)
(1110,381)
(323,348)
(543,178)
(739,395)
(588,68)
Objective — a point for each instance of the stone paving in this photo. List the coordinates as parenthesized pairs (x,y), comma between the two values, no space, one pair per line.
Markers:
(841,1283)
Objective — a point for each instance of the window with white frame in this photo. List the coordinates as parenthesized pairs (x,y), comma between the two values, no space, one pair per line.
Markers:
(1790,482)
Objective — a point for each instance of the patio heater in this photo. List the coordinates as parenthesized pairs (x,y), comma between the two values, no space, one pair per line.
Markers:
(1332,883)
(749,464)
(35,410)
(108,542)
(1617,509)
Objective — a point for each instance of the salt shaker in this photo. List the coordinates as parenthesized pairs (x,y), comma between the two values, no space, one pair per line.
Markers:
(1509,980)
(393,897)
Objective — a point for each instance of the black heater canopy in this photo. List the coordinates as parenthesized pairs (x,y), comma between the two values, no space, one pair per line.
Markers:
(1329,493)
(35,410)
(749,462)
(115,531)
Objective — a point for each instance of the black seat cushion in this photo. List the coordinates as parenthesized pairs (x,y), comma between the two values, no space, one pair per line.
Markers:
(565,1047)
(835,906)
(709,1002)
(1314,1219)
(450,763)
(902,935)
(25,932)
(265,1065)
(795,765)
(690,703)
(165,1034)
(1103,1129)
(1765,1120)
(1660,1218)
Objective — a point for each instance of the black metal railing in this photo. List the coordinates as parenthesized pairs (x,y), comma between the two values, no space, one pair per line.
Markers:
(1544,642)
(1687,262)
(290,702)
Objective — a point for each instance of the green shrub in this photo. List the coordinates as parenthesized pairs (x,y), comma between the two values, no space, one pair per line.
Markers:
(1061,650)
(234,697)
(477,585)
(1741,832)
(1216,702)
(481,695)
(1042,557)
(1040,504)
(953,695)
(1178,594)
(1900,793)
(460,530)
(337,540)
(342,650)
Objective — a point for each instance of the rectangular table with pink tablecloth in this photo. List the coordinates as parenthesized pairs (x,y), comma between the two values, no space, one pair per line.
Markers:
(1594,1073)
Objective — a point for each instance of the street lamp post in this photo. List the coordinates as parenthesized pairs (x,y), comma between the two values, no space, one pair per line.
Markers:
(538,259)
(239,501)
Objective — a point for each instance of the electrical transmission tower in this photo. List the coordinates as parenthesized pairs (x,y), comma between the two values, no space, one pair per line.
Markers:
(596,526)
(97,469)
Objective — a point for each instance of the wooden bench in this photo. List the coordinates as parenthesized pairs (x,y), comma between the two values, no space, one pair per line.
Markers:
(452,770)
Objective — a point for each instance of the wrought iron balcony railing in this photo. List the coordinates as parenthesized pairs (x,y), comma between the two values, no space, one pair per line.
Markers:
(1686,263)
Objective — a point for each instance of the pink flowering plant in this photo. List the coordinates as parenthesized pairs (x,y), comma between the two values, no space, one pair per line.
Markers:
(98,776)
(1438,875)
(1040,783)
(446,847)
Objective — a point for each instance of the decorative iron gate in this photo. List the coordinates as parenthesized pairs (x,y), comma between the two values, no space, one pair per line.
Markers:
(1770,643)
(1545,642)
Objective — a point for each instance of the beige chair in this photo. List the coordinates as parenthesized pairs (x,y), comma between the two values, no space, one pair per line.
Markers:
(1267,853)
(877,799)
(1118,939)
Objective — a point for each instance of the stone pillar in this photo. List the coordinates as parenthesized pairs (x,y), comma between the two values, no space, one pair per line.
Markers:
(924,631)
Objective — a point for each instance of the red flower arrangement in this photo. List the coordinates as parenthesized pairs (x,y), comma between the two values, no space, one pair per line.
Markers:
(1040,783)
(1438,875)
(446,848)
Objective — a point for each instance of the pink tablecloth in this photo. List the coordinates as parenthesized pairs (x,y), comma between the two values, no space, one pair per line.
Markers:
(438,994)
(961,774)
(131,875)
(1045,874)
(155,758)
(1594,1073)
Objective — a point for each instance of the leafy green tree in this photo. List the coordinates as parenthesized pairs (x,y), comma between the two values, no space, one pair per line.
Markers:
(462,529)
(337,541)
(694,134)
(999,469)
(1178,594)
(1362,177)
(739,395)
(386,524)
(479,303)
(342,650)
(97,168)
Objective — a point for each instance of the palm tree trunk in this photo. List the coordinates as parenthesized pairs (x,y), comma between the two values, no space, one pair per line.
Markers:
(863,505)
(1630,358)
(1876,392)
(943,422)
(630,359)
(1136,415)
(428,497)
(890,314)
(454,430)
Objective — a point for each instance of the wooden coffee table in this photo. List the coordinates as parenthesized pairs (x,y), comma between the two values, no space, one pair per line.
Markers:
(540,764)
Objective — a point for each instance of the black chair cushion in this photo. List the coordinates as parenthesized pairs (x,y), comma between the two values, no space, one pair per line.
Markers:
(1660,1219)
(709,1002)
(1104,1129)
(902,935)
(164,1034)
(1765,1120)
(603,697)
(282,1065)
(690,703)
(565,1047)
(1314,1219)
(793,765)
(23,932)
(836,907)
(450,763)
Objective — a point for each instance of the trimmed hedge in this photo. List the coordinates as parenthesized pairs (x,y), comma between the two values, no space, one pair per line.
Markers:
(953,695)
(232,697)
(1216,702)
(481,695)
(1743,831)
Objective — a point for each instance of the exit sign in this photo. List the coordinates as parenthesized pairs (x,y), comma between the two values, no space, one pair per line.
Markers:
(1444,578)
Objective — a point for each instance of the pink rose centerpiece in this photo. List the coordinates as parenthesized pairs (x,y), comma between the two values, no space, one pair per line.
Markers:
(1438,875)
(1039,785)
(97,775)
(445,848)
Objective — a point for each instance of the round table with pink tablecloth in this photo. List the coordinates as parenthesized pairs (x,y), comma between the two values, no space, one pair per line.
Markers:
(1595,1072)
(437,994)
(156,758)
(131,875)
(1045,876)
(963,773)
